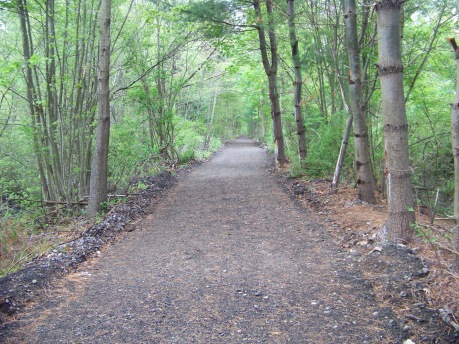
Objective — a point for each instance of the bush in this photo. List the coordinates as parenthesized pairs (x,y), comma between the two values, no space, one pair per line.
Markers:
(323,149)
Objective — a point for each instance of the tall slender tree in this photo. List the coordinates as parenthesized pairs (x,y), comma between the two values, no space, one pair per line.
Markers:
(365,180)
(32,97)
(99,168)
(398,171)
(455,142)
(270,66)
(297,102)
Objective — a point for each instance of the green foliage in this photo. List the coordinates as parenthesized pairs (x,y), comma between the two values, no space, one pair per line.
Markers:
(324,146)
(130,153)
(169,61)
(426,233)
(212,14)
(189,141)
(141,186)
(17,166)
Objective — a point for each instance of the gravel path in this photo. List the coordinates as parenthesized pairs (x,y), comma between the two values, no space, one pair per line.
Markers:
(227,257)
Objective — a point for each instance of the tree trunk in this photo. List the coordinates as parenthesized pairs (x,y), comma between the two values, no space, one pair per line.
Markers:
(98,182)
(300,127)
(398,171)
(271,71)
(32,98)
(261,112)
(455,142)
(363,166)
(342,152)
(52,101)
(210,123)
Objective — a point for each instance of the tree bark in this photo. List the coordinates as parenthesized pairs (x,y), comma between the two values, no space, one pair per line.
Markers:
(52,101)
(210,122)
(261,112)
(300,127)
(98,181)
(32,97)
(271,72)
(363,166)
(455,143)
(398,171)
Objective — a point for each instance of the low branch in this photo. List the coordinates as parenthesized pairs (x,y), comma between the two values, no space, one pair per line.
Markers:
(209,78)
(165,57)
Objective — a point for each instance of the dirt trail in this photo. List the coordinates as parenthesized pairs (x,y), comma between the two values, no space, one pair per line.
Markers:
(227,257)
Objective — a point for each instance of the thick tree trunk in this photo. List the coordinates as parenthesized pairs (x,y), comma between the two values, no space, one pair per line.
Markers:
(98,182)
(300,127)
(455,142)
(363,166)
(398,171)
(271,71)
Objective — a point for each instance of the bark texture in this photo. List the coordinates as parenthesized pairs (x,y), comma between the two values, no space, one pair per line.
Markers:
(34,108)
(300,127)
(398,171)
(98,182)
(270,68)
(455,142)
(363,167)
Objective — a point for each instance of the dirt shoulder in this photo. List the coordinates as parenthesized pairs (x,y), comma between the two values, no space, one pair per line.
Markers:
(415,281)
(228,256)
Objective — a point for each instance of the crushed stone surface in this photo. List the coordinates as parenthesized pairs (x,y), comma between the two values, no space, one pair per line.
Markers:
(226,257)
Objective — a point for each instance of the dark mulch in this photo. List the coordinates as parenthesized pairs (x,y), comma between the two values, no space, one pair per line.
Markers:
(27,284)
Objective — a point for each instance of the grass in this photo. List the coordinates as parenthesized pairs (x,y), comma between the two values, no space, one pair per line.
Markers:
(33,232)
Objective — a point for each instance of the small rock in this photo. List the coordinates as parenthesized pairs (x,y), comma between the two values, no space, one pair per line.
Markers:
(408,341)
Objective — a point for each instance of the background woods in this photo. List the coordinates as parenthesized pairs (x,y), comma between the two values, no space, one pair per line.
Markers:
(185,76)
